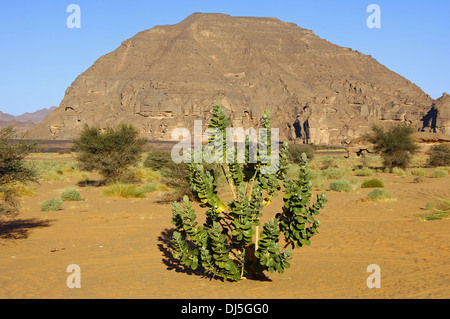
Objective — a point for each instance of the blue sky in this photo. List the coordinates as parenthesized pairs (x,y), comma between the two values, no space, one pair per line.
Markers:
(40,56)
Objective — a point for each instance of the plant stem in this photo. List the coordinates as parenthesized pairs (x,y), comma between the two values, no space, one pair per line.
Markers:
(257,238)
(229,181)
(243,265)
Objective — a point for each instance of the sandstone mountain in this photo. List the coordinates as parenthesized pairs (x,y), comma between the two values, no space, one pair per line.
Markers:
(169,76)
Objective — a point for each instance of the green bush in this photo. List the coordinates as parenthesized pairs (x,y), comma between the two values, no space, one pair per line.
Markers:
(332,173)
(52,204)
(123,190)
(14,170)
(173,175)
(111,152)
(379,195)
(316,178)
(149,187)
(440,208)
(399,172)
(157,160)
(71,195)
(439,155)
(439,173)
(341,185)
(372,183)
(418,172)
(327,162)
(296,151)
(396,146)
(364,172)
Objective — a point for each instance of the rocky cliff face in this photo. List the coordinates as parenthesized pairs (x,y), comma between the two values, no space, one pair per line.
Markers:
(442,106)
(169,76)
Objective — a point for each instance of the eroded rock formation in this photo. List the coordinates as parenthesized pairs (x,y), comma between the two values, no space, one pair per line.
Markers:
(169,76)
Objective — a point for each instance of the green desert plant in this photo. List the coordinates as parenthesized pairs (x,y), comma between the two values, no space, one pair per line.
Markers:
(417,172)
(341,185)
(156,160)
(327,162)
(173,175)
(71,195)
(52,204)
(364,172)
(439,155)
(124,190)
(296,151)
(372,183)
(399,171)
(149,187)
(440,209)
(111,152)
(230,244)
(439,173)
(14,171)
(396,145)
(379,195)
(332,173)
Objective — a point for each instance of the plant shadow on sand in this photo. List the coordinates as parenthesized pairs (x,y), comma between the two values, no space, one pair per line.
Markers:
(20,228)
(165,246)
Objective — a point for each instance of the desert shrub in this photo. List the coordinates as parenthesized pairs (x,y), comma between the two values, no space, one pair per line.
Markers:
(418,179)
(327,162)
(173,175)
(332,173)
(156,160)
(396,146)
(439,173)
(176,176)
(150,187)
(365,161)
(292,171)
(71,195)
(440,209)
(417,172)
(379,195)
(230,243)
(21,190)
(372,183)
(399,172)
(364,172)
(316,179)
(296,151)
(15,171)
(111,153)
(439,155)
(52,204)
(341,185)
(123,190)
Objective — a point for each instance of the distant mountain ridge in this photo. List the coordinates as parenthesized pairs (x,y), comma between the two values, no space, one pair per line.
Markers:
(24,122)
(35,117)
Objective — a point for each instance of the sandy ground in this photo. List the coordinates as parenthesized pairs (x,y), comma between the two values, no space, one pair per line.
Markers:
(120,246)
